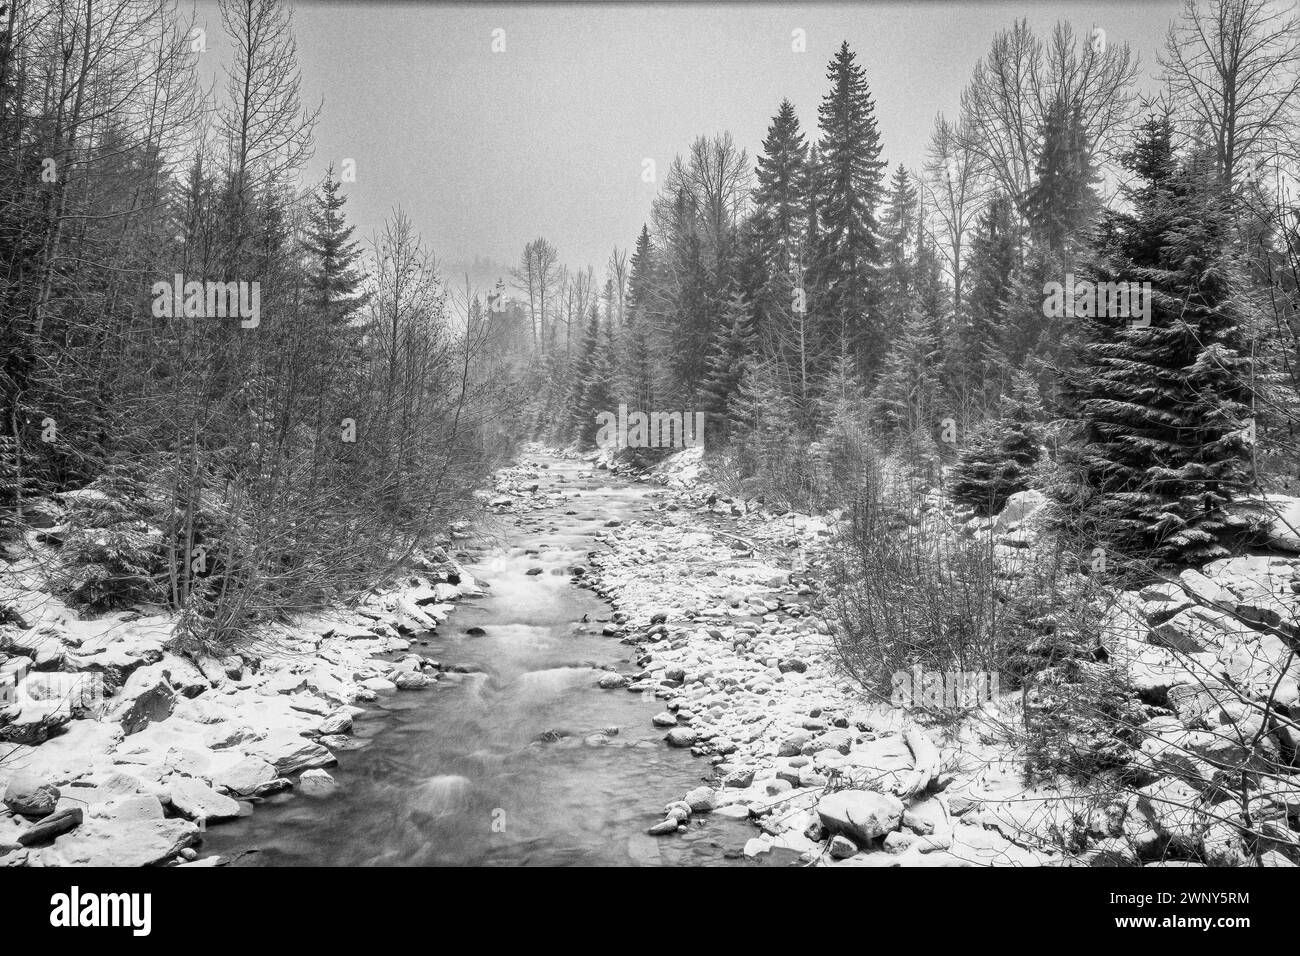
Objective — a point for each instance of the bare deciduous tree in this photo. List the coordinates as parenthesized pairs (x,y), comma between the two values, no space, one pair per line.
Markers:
(955,185)
(1233,69)
(1013,89)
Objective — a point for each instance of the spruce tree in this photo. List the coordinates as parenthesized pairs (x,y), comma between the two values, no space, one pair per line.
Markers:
(641,276)
(634,365)
(849,173)
(334,277)
(898,236)
(997,460)
(780,198)
(1165,407)
(600,393)
(980,360)
(1062,203)
(762,416)
(732,344)
(907,391)
(584,390)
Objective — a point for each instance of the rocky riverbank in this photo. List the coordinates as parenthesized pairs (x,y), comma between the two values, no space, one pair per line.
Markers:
(115,751)
(720,600)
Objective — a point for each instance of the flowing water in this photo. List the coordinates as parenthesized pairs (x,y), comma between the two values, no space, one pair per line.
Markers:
(466,773)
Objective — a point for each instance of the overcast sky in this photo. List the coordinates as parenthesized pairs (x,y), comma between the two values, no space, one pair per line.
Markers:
(487,150)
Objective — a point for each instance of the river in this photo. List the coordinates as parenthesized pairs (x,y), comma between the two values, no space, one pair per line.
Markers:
(466,773)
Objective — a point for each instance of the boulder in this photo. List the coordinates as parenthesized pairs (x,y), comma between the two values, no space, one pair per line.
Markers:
(1206,591)
(59,822)
(288,753)
(339,722)
(793,745)
(1201,703)
(1284,527)
(34,722)
(195,799)
(121,843)
(1223,845)
(681,737)
(1187,632)
(81,693)
(116,662)
(841,848)
(183,675)
(316,783)
(147,697)
(246,777)
(860,815)
(1019,507)
(30,797)
(140,806)
(740,778)
(1171,809)
(840,741)
(701,800)
(413,681)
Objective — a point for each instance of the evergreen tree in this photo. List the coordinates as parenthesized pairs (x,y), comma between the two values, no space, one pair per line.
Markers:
(585,389)
(907,392)
(762,416)
(334,278)
(845,275)
(780,199)
(898,241)
(634,366)
(600,393)
(641,277)
(1165,407)
(997,460)
(930,293)
(980,360)
(1062,203)
(732,344)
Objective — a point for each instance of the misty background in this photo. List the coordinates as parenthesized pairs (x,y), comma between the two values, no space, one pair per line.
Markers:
(489,150)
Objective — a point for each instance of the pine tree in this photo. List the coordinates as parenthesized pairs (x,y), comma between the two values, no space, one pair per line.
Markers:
(997,460)
(1165,407)
(850,170)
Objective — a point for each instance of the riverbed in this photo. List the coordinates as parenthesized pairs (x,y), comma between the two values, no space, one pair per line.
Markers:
(523,760)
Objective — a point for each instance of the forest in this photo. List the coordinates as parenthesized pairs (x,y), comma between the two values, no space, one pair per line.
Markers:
(1038,397)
